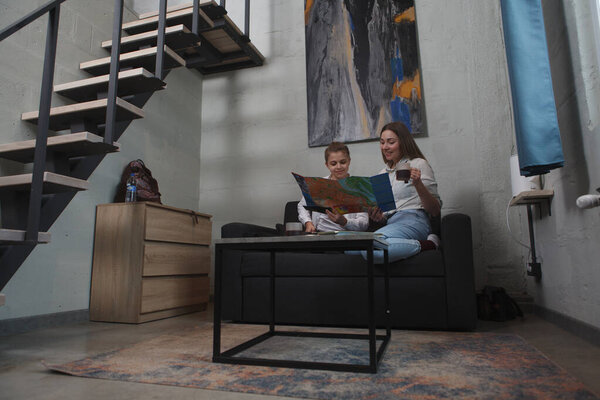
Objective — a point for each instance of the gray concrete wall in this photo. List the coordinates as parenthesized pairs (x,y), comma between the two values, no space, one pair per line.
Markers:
(568,240)
(254,129)
(56,276)
(144,6)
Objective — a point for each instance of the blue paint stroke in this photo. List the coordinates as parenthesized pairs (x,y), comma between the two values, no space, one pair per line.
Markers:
(400,112)
(351,22)
(397,68)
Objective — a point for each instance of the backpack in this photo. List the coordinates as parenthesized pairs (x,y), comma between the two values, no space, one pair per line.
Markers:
(146,185)
(493,304)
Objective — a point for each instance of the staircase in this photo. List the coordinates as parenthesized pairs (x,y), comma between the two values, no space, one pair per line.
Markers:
(73,139)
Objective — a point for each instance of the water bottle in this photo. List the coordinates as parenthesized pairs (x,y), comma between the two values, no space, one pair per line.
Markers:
(131,193)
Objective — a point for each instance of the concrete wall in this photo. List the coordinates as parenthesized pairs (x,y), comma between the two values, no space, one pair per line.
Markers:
(254,129)
(568,240)
(144,6)
(56,276)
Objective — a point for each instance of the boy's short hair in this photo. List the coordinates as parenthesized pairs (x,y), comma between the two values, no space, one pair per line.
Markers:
(334,147)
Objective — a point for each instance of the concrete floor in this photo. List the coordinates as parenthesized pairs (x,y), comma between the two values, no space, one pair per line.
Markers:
(22,376)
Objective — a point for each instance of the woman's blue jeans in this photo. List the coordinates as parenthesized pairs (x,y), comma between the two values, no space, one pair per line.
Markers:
(403,231)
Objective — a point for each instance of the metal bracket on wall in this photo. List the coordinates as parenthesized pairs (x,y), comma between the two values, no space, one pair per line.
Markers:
(529,198)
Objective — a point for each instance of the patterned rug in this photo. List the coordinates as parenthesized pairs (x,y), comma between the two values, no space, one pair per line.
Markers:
(417,365)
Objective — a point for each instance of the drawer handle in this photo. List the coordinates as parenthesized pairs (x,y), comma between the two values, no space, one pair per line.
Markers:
(194,216)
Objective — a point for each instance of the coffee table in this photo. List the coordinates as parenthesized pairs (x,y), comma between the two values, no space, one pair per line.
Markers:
(340,242)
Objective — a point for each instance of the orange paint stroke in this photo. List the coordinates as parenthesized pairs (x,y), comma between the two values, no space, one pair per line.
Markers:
(308,7)
(408,15)
(404,89)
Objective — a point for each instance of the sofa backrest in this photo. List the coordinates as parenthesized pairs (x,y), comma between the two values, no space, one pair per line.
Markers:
(291,212)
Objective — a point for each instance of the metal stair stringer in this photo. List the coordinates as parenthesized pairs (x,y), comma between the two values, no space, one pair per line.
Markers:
(14,256)
(221,47)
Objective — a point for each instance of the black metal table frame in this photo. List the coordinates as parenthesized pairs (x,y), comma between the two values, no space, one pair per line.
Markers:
(375,355)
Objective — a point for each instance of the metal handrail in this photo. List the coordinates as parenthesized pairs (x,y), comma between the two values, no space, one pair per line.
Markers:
(247,19)
(113,76)
(195,17)
(40,152)
(41,142)
(29,18)
(160,40)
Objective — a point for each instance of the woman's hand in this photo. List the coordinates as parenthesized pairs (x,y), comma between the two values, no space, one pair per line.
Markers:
(309,227)
(430,203)
(337,217)
(415,175)
(376,215)
(376,218)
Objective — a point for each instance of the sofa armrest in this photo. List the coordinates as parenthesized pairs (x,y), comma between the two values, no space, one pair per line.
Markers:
(240,229)
(231,285)
(457,249)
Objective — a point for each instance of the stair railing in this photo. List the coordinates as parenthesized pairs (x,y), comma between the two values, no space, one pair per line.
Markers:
(41,142)
(113,77)
(246,18)
(160,40)
(115,54)
(196,17)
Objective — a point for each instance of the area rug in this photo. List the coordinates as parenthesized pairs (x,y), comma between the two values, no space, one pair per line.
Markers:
(417,365)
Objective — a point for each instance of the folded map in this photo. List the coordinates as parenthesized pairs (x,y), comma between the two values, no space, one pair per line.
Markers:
(350,195)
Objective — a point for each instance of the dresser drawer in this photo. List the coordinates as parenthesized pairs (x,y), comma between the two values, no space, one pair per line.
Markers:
(165,293)
(168,225)
(175,259)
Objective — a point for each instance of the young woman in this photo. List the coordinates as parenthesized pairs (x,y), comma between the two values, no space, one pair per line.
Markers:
(407,228)
(337,160)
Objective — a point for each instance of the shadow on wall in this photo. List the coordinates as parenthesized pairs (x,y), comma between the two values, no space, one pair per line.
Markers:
(562,62)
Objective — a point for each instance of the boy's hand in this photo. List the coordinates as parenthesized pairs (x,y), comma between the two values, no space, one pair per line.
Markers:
(375,214)
(336,217)
(309,227)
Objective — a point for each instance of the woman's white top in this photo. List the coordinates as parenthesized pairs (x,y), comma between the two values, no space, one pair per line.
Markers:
(322,223)
(405,194)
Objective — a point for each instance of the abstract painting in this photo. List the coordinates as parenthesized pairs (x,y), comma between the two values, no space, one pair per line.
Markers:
(362,67)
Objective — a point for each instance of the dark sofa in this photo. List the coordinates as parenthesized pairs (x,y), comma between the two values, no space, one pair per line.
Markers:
(432,290)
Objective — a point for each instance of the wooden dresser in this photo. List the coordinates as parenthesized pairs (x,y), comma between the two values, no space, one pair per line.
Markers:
(150,261)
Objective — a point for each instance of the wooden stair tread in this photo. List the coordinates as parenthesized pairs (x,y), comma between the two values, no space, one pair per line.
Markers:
(222,48)
(221,40)
(74,144)
(13,236)
(131,81)
(53,183)
(232,49)
(181,14)
(145,58)
(176,37)
(235,49)
(93,111)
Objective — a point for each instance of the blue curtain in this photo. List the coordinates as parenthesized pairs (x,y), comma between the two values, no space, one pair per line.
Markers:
(536,124)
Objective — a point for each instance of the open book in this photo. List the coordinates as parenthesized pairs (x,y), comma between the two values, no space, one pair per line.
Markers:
(350,195)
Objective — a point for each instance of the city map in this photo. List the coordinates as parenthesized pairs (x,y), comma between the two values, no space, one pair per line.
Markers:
(350,195)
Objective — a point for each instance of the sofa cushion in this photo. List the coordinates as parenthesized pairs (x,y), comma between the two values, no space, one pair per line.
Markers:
(415,302)
(427,263)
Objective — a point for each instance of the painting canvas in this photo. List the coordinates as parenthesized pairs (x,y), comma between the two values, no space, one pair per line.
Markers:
(362,66)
